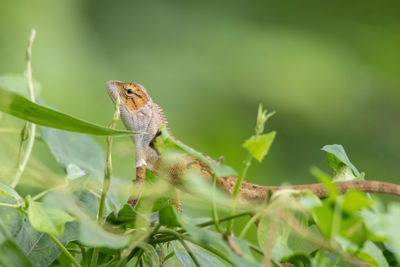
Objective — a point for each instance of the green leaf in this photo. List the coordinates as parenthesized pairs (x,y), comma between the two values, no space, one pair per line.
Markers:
(336,155)
(8,191)
(390,224)
(18,83)
(216,240)
(319,174)
(343,173)
(350,223)
(90,233)
(10,254)
(258,145)
(151,254)
(169,217)
(204,257)
(355,201)
(39,247)
(20,107)
(12,219)
(281,248)
(78,154)
(371,254)
(124,218)
(48,220)
(126,214)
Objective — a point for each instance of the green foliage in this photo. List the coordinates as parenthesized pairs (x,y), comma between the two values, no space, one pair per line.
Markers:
(18,106)
(11,254)
(10,192)
(58,226)
(337,157)
(48,220)
(258,145)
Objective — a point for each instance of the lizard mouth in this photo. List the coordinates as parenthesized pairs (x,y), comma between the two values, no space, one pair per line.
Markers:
(112,88)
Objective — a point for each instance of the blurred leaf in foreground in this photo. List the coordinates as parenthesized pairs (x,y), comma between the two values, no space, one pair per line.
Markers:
(18,106)
(10,254)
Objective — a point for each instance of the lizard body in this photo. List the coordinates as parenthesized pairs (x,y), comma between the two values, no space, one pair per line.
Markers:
(140,113)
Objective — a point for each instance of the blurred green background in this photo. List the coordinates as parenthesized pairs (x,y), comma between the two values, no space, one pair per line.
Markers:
(329,69)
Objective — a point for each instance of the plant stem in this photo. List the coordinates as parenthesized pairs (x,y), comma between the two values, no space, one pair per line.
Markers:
(107,178)
(41,194)
(84,255)
(249,223)
(208,223)
(204,224)
(64,250)
(209,248)
(139,258)
(32,127)
(6,205)
(180,238)
(246,165)
(214,210)
(189,251)
(169,256)
(187,238)
(256,249)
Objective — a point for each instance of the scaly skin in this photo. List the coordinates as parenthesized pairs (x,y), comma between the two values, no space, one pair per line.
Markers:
(140,113)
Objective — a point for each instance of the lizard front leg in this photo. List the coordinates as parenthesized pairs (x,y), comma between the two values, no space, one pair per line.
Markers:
(140,175)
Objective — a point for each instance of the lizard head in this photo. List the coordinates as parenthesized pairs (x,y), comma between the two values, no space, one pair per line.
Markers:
(133,96)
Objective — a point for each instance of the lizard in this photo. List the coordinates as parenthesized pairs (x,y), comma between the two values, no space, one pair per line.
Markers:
(140,113)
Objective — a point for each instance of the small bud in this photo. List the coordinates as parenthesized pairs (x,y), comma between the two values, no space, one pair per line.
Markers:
(262,117)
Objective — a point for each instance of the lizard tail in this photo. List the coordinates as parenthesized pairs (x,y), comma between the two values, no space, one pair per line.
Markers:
(259,192)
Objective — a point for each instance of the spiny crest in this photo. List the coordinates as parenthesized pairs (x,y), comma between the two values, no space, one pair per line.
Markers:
(163,118)
(133,95)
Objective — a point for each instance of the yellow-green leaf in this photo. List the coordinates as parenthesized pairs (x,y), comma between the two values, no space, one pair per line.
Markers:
(48,220)
(258,145)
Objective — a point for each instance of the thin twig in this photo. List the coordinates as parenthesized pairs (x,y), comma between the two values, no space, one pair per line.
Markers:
(180,238)
(214,210)
(108,167)
(41,194)
(169,256)
(32,127)
(15,131)
(107,178)
(249,223)
(209,248)
(246,165)
(6,205)
(64,250)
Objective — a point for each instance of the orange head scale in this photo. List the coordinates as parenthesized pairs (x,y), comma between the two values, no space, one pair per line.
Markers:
(138,113)
(133,95)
